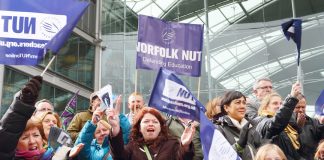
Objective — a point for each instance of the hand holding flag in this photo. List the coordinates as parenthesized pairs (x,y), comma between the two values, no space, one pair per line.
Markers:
(170,95)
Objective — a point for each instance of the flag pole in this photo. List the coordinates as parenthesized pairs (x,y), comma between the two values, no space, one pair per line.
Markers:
(207,53)
(136,79)
(198,93)
(48,66)
(299,69)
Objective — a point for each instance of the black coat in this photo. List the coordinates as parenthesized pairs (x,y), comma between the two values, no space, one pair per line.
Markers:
(312,133)
(272,128)
(232,134)
(12,125)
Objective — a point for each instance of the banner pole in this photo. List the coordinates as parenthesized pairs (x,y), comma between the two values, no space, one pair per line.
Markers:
(48,66)
(198,92)
(299,69)
(136,79)
(207,52)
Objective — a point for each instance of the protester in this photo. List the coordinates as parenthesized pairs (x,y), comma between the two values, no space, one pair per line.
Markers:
(20,136)
(213,108)
(176,127)
(135,103)
(42,106)
(261,88)
(49,119)
(14,121)
(94,136)
(234,126)
(319,155)
(81,118)
(276,124)
(312,130)
(270,152)
(149,138)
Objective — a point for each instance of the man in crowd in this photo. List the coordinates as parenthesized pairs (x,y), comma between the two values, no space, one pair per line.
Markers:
(135,103)
(42,106)
(261,88)
(81,118)
(312,130)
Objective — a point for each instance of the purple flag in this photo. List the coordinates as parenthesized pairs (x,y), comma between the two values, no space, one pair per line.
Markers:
(69,111)
(319,105)
(171,45)
(293,29)
(28,27)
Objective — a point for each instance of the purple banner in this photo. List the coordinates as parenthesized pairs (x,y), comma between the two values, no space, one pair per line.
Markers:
(171,45)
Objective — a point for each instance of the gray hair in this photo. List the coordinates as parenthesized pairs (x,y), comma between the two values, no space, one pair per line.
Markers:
(256,83)
(44,100)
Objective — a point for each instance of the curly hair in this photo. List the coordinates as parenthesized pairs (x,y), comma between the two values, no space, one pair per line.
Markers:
(137,137)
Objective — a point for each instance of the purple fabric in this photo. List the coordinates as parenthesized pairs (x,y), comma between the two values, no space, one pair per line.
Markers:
(171,45)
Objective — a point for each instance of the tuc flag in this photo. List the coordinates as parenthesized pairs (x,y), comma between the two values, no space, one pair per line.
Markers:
(171,45)
(319,104)
(293,29)
(69,111)
(28,27)
(170,95)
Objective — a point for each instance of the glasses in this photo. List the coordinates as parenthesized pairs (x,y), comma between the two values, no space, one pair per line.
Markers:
(265,87)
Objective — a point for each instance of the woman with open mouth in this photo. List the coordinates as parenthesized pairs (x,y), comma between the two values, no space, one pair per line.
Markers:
(149,138)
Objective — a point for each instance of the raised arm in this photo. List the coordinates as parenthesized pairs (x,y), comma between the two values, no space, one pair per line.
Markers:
(14,121)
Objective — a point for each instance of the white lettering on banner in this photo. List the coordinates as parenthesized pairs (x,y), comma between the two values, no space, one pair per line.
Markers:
(30,25)
(177,92)
(149,61)
(191,55)
(157,50)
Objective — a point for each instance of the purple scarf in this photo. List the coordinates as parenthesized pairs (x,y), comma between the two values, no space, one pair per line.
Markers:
(30,155)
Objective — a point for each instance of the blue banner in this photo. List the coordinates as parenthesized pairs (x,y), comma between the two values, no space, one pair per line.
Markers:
(171,45)
(319,105)
(293,29)
(170,95)
(28,27)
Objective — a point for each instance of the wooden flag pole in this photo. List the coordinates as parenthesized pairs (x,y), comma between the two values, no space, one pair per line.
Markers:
(48,66)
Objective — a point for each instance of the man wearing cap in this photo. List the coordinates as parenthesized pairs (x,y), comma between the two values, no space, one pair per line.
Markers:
(81,118)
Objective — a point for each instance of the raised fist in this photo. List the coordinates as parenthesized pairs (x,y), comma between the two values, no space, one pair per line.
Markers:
(29,93)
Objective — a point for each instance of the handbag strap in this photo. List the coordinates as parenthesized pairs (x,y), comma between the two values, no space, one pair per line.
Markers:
(147,152)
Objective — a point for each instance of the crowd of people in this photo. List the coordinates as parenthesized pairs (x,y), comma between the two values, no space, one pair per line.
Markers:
(265,127)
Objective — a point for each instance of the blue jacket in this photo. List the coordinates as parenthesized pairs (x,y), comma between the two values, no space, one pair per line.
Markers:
(92,150)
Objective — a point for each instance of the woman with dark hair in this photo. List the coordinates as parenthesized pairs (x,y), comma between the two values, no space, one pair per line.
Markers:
(233,125)
(277,125)
(149,138)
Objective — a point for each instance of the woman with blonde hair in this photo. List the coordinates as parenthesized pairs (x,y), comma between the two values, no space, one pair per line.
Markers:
(94,135)
(213,108)
(270,152)
(49,119)
(276,124)
(319,155)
